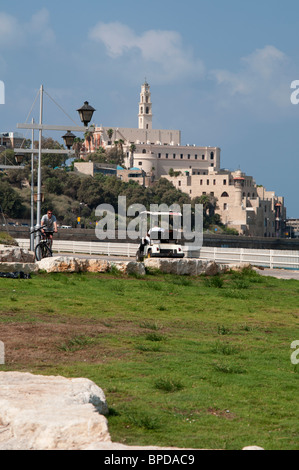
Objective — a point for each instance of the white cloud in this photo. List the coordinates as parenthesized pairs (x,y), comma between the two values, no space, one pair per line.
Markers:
(39,26)
(14,33)
(260,83)
(162,50)
(10,30)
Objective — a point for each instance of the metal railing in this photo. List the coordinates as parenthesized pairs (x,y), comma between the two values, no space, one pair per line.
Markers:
(265,258)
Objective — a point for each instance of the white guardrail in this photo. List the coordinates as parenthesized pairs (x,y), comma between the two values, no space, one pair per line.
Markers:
(265,258)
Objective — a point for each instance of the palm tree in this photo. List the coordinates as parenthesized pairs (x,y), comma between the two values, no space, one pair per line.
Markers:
(89,137)
(110,134)
(132,150)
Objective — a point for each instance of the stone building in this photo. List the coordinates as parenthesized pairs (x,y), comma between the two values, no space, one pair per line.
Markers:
(195,170)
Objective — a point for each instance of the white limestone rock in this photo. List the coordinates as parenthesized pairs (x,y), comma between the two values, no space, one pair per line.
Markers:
(10,254)
(50,413)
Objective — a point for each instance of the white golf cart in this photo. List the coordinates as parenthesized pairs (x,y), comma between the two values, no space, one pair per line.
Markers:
(160,242)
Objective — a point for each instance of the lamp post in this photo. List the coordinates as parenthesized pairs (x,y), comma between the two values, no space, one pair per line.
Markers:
(85,113)
(69,138)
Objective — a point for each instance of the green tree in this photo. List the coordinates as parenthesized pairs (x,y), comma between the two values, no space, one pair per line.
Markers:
(52,160)
(10,201)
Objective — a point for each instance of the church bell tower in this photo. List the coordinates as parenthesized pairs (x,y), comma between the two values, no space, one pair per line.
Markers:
(145,108)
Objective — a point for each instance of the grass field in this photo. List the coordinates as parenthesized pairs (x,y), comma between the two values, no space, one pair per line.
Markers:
(187,362)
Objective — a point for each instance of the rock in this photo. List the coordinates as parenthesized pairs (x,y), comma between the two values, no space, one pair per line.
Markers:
(97,266)
(26,268)
(129,267)
(50,413)
(239,267)
(65,264)
(253,448)
(187,266)
(62,264)
(212,269)
(10,254)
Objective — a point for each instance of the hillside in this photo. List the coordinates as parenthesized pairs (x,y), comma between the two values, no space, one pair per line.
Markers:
(72,195)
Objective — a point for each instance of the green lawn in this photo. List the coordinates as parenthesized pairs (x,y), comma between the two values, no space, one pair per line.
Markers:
(187,362)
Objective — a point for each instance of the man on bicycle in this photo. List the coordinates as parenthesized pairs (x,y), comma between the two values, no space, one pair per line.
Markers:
(49,224)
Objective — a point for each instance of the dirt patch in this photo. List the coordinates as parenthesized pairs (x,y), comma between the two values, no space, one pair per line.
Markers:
(227,414)
(54,341)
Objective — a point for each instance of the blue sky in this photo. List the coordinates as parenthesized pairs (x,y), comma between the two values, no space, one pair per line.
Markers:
(220,71)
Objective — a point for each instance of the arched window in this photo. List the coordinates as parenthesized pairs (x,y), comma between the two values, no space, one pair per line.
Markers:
(224,194)
(212,155)
(147,110)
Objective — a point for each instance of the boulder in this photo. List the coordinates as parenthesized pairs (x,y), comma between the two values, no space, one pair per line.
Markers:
(11,254)
(62,264)
(47,413)
(129,267)
(97,265)
(67,264)
(26,268)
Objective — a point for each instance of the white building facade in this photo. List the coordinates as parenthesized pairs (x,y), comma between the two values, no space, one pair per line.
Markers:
(195,171)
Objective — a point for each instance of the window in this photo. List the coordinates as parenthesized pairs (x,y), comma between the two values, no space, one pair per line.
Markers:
(208,182)
(224,182)
(202,157)
(212,155)
(166,155)
(225,206)
(195,156)
(188,156)
(182,155)
(140,163)
(143,151)
(180,183)
(200,182)
(174,155)
(159,155)
(214,182)
(224,194)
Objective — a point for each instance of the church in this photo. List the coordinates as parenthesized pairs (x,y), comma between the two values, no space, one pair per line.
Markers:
(195,170)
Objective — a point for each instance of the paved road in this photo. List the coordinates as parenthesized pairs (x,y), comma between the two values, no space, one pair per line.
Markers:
(280,273)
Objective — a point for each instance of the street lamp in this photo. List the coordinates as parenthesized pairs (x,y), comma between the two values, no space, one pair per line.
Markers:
(19,158)
(69,138)
(85,112)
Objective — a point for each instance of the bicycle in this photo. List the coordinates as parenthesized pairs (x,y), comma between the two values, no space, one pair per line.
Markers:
(44,248)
